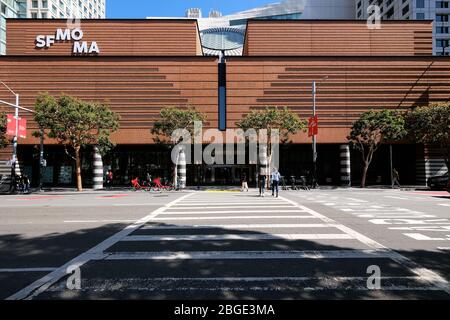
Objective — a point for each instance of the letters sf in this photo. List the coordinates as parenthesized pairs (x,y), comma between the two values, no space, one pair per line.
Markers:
(75,35)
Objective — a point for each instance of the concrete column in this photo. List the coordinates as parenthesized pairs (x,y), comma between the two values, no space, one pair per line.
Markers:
(181,167)
(345,165)
(429,163)
(263,161)
(98,170)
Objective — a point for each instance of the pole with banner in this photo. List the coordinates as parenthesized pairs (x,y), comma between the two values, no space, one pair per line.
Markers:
(313,128)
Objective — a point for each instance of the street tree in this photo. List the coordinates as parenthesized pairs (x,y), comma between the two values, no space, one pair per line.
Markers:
(3,139)
(273,118)
(371,130)
(172,119)
(431,125)
(75,124)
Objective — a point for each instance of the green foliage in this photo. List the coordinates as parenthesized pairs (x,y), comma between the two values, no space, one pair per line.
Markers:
(3,139)
(431,125)
(273,118)
(374,128)
(75,123)
(171,119)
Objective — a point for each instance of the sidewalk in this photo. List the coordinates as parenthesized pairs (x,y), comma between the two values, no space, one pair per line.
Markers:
(73,191)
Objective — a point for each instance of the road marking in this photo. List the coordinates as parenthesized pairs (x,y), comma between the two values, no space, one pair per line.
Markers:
(357,200)
(398,198)
(444,204)
(233,218)
(207,204)
(239,226)
(231,211)
(422,237)
(229,207)
(247,255)
(425,274)
(443,248)
(14,270)
(98,221)
(96,252)
(133,204)
(427,228)
(215,237)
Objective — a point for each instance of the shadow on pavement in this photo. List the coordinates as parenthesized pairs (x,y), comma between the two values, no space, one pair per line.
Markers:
(192,279)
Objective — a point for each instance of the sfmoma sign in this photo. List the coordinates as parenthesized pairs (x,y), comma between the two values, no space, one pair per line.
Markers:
(64,35)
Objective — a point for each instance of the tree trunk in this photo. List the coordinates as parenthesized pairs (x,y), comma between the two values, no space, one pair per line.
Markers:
(78,169)
(364,175)
(447,158)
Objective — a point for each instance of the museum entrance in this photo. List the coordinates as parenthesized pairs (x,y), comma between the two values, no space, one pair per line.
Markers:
(222,175)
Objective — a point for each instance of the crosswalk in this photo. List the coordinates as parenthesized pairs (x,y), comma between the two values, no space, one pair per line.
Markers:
(236,245)
(427,227)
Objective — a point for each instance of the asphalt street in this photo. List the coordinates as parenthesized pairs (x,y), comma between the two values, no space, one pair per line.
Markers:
(327,244)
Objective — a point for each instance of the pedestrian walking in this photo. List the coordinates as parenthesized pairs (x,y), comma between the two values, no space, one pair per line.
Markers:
(109,179)
(26,184)
(276,177)
(395,178)
(262,185)
(244,183)
(149,179)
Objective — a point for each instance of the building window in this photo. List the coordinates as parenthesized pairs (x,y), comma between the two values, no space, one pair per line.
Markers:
(34,15)
(441,29)
(442,17)
(44,4)
(442,43)
(44,15)
(35,4)
(420,4)
(442,4)
(420,16)
(405,10)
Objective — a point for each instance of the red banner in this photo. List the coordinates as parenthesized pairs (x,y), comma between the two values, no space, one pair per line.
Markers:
(313,126)
(11,125)
(22,128)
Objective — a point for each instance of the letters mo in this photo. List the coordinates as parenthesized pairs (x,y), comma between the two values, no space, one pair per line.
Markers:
(75,35)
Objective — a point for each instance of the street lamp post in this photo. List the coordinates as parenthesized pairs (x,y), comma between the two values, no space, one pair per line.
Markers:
(16,133)
(16,107)
(314,137)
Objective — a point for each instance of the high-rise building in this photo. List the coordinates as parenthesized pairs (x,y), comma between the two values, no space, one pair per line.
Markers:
(48,9)
(84,9)
(227,33)
(8,9)
(436,10)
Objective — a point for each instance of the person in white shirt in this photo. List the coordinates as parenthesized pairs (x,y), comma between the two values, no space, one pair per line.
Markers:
(276,177)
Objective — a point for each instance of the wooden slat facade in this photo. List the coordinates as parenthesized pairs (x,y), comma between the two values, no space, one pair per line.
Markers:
(364,68)
(114,37)
(354,85)
(338,38)
(135,87)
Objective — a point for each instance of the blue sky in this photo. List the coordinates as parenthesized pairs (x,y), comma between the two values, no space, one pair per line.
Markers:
(176,8)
